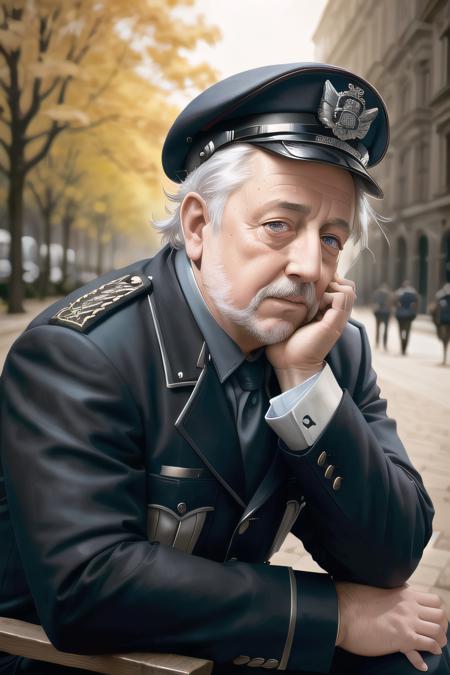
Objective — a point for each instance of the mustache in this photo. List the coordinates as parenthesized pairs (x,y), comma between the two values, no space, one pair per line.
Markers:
(286,288)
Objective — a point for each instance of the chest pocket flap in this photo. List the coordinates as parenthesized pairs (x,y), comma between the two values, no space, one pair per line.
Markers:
(177,510)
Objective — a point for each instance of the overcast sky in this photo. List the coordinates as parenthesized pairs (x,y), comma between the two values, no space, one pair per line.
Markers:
(258,32)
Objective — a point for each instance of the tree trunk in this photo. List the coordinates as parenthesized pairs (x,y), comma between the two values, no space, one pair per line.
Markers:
(66,228)
(15,218)
(45,267)
(101,223)
(15,193)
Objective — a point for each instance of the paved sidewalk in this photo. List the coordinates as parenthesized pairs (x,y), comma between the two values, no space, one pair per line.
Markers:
(11,325)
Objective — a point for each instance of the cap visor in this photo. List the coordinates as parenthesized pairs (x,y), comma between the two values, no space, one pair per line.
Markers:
(314,152)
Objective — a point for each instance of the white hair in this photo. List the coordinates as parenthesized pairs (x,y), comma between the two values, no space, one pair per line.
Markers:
(224,173)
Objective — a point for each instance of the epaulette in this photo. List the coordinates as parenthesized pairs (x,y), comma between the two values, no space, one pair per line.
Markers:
(89,308)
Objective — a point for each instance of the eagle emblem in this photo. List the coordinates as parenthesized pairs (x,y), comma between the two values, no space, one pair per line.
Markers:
(344,112)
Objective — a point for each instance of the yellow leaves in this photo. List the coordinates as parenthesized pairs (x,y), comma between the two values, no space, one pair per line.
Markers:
(54,68)
(100,207)
(9,40)
(66,113)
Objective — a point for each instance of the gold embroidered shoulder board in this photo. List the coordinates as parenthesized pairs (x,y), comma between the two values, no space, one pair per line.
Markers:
(86,310)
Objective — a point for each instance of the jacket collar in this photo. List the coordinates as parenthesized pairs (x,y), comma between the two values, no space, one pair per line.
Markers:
(181,343)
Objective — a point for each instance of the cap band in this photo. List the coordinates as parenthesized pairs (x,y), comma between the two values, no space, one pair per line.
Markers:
(283,131)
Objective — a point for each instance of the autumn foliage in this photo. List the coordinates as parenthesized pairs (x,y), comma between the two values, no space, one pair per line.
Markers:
(85,102)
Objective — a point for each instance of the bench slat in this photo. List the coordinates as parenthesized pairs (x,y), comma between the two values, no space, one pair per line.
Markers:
(29,640)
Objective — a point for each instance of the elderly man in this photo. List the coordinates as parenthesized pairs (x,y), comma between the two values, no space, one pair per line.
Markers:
(148,477)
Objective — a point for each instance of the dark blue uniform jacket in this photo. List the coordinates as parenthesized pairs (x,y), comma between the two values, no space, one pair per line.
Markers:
(112,548)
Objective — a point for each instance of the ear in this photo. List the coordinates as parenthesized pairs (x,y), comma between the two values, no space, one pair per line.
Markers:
(194,217)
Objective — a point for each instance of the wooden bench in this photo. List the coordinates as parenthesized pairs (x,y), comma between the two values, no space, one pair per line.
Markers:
(28,639)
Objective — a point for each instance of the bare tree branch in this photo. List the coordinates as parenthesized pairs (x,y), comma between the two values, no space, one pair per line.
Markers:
(36,97)
(4,145)
(4,86)
(52,134)
(35,194)
(5,54)
(93,125)
(3,170)
(86,46)
(108,80)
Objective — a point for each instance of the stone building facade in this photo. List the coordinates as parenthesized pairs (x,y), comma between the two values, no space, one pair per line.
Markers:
(403,48)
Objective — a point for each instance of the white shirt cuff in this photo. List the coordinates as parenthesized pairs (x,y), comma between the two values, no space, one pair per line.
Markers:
(299,415)
(283,403)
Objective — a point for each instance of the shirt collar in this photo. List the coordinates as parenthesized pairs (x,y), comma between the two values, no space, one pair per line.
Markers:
(225,353)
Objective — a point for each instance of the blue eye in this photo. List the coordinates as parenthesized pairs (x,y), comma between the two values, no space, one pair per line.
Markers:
(332,241)
(277,226)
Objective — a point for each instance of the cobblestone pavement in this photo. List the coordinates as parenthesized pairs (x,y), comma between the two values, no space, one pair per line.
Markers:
(417,388)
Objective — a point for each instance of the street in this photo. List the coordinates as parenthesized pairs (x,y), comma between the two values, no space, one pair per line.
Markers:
(417,388)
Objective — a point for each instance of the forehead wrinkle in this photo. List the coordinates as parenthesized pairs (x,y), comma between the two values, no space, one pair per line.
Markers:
(319,187)
(298,207)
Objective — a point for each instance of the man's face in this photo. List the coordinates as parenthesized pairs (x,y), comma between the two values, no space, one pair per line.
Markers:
(264,273)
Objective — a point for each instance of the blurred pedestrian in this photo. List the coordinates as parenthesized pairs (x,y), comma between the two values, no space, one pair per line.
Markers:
(382,303)
(406,311)
(440,312)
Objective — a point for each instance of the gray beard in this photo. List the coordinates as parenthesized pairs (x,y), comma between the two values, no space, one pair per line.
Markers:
(219,290)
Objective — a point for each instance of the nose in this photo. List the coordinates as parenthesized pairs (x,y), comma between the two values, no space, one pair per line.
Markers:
(304,257)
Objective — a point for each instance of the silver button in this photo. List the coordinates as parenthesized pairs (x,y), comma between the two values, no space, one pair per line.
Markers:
(329,471)
(322,458)
(181,507)
(255,663)
(243,527)
(241,660)
(271,663)
(337,483)
(135,281)
(180,374)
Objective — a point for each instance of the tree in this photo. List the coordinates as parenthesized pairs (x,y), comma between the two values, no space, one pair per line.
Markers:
(65,68)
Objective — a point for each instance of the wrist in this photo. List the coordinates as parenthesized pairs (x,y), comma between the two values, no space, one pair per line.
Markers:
(288,378)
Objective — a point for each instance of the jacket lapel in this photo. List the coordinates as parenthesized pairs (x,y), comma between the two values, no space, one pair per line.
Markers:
(207,424)
(205,421)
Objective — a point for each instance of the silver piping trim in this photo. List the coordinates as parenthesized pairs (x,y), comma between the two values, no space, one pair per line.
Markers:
(181,472)
(165,361)
(292,621)
(202,357)
(200,509)
(191,397)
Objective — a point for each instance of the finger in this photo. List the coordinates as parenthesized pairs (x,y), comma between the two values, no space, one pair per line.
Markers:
(344,297)
(428,599)
(416,660)
(345,282)
(427,644)
(432,630)
(343,288)
(432,614)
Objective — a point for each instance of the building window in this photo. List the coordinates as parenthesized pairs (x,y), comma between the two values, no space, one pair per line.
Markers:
(423,83)
(402,180)
(405,92)
(445,37)
(422,171)
(447,161)
(447,53)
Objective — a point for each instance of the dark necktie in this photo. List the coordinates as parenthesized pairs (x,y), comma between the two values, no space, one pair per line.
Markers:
(253,431)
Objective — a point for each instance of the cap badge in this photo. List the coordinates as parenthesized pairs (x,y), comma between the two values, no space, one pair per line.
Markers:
(344,112)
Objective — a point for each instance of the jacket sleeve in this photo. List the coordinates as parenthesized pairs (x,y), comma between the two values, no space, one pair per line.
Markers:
(368,516)
(72,441)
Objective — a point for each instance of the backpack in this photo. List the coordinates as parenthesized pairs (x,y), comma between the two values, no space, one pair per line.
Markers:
(443,311)
(405,309)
